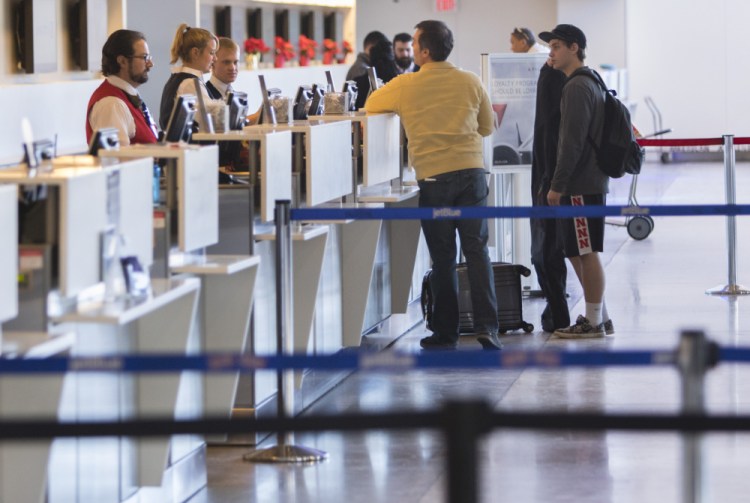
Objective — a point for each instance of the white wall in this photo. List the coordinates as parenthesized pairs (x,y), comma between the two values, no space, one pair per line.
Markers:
(688,56)
(479,26)
(603,22)
(159,20)
(685,54)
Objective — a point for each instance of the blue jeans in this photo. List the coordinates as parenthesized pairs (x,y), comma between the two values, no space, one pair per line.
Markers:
(467,187)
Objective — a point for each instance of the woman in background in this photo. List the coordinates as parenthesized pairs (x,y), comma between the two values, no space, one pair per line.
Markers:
(196,49)
(383,60)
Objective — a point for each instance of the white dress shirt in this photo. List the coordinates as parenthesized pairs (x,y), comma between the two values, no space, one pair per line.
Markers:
(220,86)
(187,87)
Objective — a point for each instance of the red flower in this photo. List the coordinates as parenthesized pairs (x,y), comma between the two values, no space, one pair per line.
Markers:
(330,49)
(307,46)
(284,51)
(284,48)
(330,46)
(256,45)
(346,47)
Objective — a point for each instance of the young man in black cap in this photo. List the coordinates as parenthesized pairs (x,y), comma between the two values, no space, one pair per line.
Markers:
(577,179)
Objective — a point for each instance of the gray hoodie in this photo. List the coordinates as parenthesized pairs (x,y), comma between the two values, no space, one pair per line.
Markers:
(582,116)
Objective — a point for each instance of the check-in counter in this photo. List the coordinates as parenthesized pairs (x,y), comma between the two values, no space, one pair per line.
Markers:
(321,157)
(162,323)
(227,280)
(377,148)
(189,217)
(24,464)
(510,239)
(245,219)
(78,210)
(341,269)
(376,145)
(8,254)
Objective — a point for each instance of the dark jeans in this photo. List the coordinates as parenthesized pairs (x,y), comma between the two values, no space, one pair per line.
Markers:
(466,187)
(549,262)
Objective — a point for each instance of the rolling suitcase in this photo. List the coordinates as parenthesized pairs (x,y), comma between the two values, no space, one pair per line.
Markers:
(507,291)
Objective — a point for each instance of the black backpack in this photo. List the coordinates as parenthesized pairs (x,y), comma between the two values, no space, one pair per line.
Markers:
(619,152)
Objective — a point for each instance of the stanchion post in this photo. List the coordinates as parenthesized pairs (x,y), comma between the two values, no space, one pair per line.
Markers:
(284,451)
(731,288)
(695,355)
(464,423)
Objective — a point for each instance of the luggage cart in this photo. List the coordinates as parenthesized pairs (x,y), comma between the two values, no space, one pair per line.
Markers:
(639,227)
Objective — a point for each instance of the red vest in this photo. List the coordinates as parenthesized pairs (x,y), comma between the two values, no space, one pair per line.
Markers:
(143,133)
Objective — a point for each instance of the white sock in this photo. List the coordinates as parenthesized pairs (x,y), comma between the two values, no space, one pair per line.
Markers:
(605,314)
(594,313)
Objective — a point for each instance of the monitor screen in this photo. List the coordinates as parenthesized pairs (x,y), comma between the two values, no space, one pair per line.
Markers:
(180,124)
(104,139)
(351,87)
(238,109)
(316,104)
(204,119)
(329,79)
(372,76)
(267,112)
(302,102)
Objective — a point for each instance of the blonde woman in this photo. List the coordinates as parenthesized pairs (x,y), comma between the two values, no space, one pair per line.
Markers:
(196,49)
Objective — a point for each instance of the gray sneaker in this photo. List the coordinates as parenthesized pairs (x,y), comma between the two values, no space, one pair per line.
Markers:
(609,327)
(581,330)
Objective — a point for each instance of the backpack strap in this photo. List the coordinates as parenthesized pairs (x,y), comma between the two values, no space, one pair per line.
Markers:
(593,75)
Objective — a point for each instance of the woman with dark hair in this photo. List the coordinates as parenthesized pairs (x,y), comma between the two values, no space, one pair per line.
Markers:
(383,60)
(523,40)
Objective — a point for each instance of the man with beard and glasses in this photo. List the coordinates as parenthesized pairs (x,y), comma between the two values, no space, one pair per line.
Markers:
(116,103)
(402,48)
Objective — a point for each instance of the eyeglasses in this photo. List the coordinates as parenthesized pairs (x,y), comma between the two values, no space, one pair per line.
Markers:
(147,58)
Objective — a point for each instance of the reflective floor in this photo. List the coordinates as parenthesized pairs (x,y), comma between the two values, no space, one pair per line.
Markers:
(655,289)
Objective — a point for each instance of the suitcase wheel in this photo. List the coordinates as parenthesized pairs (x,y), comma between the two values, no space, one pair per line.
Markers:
(528,328)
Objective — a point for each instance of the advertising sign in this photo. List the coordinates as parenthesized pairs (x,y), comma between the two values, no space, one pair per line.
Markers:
(511,83)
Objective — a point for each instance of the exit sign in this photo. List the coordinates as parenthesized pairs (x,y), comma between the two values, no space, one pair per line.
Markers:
(445,5)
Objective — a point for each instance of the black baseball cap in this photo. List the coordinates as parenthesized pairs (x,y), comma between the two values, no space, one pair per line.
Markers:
(566,32)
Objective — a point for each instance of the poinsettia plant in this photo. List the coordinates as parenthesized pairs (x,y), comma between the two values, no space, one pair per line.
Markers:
(256,46)
(284,51)
(346,49)
(330,50)
(307,48)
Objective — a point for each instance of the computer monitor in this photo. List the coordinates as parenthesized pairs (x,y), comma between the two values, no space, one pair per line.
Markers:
(238,109)
(372,76)
(302,102)
(104,139)
(316,104)
(207,125)
(351,87)
(329,79)
(41,150)
(180,124)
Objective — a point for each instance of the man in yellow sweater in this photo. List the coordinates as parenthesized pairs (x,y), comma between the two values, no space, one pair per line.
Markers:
(446,112)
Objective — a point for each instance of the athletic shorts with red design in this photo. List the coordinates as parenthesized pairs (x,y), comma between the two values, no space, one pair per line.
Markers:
(581,235)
